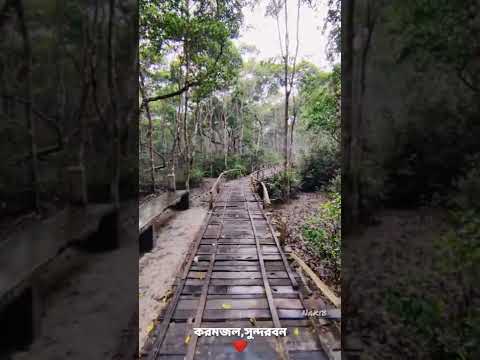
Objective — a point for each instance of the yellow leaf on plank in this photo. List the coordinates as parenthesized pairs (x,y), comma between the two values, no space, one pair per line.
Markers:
(296,332)
(167,296)
(187,339)
(226,306)
(201,275)
(150,327)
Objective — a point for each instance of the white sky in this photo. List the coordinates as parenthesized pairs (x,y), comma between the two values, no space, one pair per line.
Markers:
(261,30)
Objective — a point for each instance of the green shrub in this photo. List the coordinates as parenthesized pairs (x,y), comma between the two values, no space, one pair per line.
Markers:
(335,184)
(282,183)
(429,156)
(323,233)
(453,295)
(318,168)
(196,176)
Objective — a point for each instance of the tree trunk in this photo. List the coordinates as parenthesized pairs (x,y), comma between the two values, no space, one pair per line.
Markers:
(186,140)
(225,139)
(241,128)
(210,145)
(287,93)
(292,131)
(349,202)
(115,175)
(31,123)
(149,134)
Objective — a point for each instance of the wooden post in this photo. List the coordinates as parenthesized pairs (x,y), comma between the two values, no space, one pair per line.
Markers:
(266,199)
(78,185)
(172,186)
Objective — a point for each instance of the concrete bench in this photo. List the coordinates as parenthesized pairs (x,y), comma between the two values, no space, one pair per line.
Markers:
(152,209)
(26,252)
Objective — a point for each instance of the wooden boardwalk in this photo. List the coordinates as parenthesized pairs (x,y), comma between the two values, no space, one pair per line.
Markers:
(236,277)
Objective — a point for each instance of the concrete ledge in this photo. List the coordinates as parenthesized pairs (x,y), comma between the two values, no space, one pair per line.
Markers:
(26,252)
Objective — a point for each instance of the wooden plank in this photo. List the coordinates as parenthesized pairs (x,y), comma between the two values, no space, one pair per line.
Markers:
(237,290)
(241,296)
(236,257)
(289,323)
(174,340)
(222,315)
(319,283)
(282,351)
(203,298)
(227,268)
(240,304)
(243,282)
(248,275)
(282,256)
(162,329)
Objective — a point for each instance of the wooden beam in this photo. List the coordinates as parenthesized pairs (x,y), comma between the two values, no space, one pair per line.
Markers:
(334,299)
(215,188)
(266,199)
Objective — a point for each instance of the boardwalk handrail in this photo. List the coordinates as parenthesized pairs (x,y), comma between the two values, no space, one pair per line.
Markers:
(260,174)
(256,178)
(265,197)
(216,187)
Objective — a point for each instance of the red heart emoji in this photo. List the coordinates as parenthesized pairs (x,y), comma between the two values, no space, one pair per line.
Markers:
(240,345)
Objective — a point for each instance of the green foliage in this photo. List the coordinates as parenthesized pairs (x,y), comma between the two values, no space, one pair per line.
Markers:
(196,176)
(323,233)
(320,110)
(319,167)
(467,195)
(205,36)
(240,166)
(335,185)
(447,320)
(282,183)
(445,32)
(427,158)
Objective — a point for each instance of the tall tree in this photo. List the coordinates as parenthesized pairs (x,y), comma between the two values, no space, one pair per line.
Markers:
(289,62)
(349,203)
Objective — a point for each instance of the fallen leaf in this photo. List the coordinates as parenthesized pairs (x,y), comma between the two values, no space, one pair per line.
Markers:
(296,332)
(187,339)
(150,327)
(226,306)
(167,296)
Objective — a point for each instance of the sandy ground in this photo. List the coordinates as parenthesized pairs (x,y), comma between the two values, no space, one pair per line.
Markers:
(81,319)
(158,269)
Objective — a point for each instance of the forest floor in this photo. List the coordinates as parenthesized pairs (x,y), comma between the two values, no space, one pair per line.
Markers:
(289,219)
(159,268)
(401,244)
